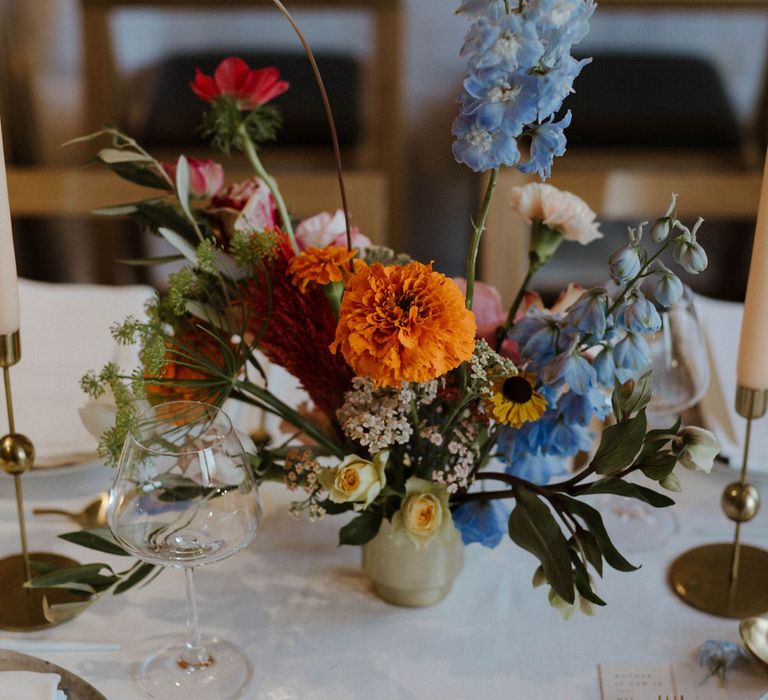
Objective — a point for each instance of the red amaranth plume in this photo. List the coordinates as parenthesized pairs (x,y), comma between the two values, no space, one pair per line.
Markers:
(299,331)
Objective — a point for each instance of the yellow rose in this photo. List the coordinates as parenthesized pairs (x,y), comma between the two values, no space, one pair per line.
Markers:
(424,514)
(356,480)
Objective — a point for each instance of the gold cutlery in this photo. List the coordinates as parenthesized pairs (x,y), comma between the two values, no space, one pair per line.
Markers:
(93,515)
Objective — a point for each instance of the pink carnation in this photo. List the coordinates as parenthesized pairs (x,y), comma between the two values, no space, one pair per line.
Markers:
(562,211)
(247,206)
(324,230)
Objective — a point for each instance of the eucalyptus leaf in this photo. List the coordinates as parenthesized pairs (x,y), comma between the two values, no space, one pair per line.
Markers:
(619,487)
(533,527)
(181,244)
(100,539)
(140,174)
(156,213)
(140,573)
(116,155)
(659,466)
(619,445)
(591,549)
(361,529)
(583,585)
(61,612)
(116,210)
(156,260)
(594,523)
(182,184)
(75,577)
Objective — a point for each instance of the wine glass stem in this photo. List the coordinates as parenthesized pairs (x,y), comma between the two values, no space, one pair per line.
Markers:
(195,655)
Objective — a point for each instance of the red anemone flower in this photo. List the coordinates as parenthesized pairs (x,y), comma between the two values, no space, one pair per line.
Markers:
(234,78)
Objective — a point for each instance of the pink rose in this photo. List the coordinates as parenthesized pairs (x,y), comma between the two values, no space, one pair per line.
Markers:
(323,230)
(233,77)
(486,305)
(246,206)
(562,211)
(206,177)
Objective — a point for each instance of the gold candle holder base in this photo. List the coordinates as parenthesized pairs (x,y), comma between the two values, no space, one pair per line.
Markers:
(23,609)
(700,577)
(729,580)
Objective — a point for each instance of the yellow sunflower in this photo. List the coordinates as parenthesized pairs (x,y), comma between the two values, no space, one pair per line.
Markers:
(403,323)
(514,400)
(320,265)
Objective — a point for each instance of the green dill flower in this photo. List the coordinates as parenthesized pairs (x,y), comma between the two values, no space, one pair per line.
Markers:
(206,257)
(248,248)
(180,285)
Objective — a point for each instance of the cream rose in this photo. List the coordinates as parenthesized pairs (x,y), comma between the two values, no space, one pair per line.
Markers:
(356,480)
(562,211)
(424,514)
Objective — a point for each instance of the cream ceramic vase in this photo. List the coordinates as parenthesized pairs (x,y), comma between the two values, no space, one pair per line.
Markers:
(403,574)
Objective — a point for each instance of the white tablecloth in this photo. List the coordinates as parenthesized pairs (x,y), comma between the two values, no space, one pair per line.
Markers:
(302,611)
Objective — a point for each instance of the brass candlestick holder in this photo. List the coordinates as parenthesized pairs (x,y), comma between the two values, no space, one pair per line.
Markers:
(729,579)
(22,608)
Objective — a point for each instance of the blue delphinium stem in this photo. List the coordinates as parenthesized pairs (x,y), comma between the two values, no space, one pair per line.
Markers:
(477,234)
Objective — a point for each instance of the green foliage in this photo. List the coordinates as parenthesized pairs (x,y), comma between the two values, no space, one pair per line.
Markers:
(619,445)
(533,527)
(363,528)
(222,121)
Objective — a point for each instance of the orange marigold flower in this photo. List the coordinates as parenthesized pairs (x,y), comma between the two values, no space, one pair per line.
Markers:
(401,323)
(320,265)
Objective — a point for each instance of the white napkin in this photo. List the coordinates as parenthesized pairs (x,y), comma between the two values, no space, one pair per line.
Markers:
(721,321)
(29,685)
(64,333)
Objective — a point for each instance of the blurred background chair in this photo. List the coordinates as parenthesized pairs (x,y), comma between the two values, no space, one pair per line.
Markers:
(645,126)
(156,105)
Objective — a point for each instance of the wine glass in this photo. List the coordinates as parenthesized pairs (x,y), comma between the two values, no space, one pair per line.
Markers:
(680,365)
(184,495)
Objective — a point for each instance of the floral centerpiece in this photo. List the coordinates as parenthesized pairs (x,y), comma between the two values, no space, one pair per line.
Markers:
(433,409)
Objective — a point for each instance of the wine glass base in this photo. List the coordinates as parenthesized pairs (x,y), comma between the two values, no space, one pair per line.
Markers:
(164,676)
(634,526)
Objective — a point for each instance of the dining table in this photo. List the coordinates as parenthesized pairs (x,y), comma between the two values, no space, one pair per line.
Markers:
(312,627)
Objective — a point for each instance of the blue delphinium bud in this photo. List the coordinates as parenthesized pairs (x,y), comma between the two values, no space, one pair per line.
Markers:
(587,313)
(690,256)
(604,367)
(625,263)
(668,289)
(640,316)
(662,227)
(632,353)
(687,252)
(482,521)
(570,368)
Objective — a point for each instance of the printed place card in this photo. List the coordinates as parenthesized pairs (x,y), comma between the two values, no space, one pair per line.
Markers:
(635,681)
(685,681)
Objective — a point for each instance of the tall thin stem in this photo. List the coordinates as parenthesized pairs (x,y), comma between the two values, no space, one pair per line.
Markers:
(328,114)
(195,655)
